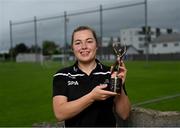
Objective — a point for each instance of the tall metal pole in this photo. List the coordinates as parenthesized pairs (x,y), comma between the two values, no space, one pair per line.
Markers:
(146,31)
(11,40)
(65,29)
(65,36)
(35,38)
(101,30)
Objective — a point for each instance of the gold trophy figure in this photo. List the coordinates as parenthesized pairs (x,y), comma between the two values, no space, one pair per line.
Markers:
(116,82)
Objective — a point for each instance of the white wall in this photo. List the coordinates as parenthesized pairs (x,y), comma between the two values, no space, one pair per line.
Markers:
(170,48)
(29,57)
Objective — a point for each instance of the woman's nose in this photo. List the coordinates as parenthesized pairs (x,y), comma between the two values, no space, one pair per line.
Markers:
(84,45)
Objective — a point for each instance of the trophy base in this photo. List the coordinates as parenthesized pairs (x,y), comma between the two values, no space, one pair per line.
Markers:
(116,84)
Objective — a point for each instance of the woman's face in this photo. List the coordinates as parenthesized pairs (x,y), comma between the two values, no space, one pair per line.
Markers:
(84,46)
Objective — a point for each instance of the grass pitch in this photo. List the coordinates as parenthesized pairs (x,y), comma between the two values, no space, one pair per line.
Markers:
(26,89)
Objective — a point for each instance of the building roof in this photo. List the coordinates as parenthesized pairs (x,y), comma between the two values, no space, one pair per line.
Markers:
(167,38)
(132,47)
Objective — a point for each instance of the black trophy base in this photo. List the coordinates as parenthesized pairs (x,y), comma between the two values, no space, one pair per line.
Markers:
(116,84)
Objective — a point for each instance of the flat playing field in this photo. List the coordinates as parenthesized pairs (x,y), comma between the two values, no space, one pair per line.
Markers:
(26,89)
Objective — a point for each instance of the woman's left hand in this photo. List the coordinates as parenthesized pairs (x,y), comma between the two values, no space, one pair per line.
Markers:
(122,71)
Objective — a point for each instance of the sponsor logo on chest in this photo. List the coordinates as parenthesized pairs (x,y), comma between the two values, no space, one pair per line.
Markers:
(70,83)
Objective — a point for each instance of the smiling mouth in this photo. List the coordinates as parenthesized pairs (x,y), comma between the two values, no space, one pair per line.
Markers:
(84,53)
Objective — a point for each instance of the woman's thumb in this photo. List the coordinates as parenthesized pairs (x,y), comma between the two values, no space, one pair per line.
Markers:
(102,86)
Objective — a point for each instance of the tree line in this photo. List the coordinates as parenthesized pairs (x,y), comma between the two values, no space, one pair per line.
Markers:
(48,48)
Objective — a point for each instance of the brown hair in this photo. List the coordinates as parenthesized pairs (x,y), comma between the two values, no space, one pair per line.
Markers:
(80,28)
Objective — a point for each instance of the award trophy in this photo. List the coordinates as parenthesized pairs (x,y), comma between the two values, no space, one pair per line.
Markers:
(116,82)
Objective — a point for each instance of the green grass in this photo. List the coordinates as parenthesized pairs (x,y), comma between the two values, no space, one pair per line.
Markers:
(25,94)
(26,89)
(152,80)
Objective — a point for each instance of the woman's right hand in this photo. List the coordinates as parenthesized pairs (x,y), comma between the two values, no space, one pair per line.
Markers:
(98,93)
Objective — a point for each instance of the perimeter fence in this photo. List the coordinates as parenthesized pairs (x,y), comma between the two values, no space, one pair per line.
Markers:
(107,20)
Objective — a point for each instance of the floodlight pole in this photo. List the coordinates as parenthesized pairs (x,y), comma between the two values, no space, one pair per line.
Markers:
(65,37)
(101,31)
(11,40)
(35,38)
(146,31)
(65,28)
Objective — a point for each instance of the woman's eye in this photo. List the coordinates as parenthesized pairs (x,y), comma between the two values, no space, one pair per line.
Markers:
(90,41)
(77,43)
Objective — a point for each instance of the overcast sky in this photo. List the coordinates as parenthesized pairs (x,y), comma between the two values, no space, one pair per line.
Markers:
(162,13)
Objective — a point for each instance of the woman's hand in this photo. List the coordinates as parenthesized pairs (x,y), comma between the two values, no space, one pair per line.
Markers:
(122,72)
(98,93)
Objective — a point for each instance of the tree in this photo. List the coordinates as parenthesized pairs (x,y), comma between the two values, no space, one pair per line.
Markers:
(33,49)
(21,48)
(49,47)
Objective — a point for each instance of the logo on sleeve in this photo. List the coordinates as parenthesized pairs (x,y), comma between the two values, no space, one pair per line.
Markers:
(72,83)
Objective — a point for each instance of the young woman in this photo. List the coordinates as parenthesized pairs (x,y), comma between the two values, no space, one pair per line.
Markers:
(80,92)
